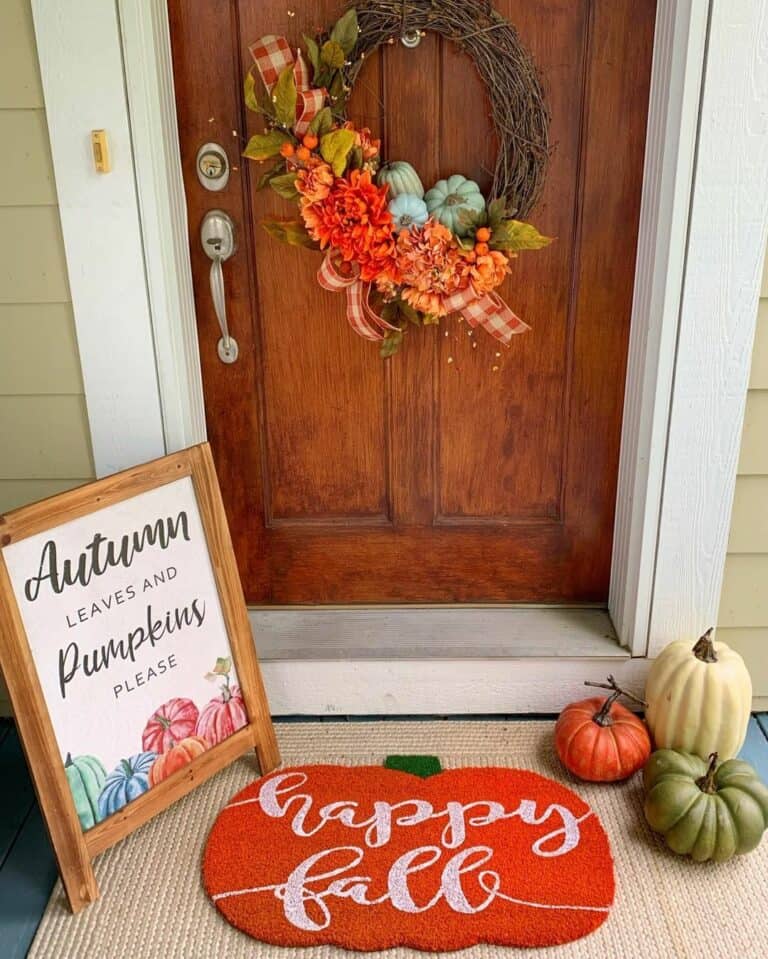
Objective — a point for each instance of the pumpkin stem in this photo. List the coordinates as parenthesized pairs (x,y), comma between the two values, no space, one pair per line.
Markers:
(127,771)
(226,692)
(705,648)
(707,782)
(68,760)
(603,717)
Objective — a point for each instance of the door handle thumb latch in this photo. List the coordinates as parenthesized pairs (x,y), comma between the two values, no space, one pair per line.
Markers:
(217,236)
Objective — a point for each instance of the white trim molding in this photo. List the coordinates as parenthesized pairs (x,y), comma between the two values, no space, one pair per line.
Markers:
(152,107)
(726,244)
(678,61)
(80,56)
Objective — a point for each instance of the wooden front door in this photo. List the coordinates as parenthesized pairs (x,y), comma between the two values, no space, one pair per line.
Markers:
(456,471)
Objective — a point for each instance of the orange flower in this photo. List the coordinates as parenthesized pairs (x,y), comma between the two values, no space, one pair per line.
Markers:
(363,139)
(353,219)
(489,270)
(315,181)
(431,267)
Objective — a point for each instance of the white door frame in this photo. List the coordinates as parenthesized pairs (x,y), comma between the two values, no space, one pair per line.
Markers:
(703,227)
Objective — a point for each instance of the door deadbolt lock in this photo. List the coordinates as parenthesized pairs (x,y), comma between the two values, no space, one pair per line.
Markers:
(212,167)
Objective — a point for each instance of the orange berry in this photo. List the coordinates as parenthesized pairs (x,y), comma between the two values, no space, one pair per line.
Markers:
(287,150)
(310,141)
(481,249)
(483,235)
(303,154)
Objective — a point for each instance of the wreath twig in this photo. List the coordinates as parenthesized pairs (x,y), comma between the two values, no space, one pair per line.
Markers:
(518,108)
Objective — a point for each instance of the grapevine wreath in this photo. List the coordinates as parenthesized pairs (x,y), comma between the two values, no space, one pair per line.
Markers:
(403,256)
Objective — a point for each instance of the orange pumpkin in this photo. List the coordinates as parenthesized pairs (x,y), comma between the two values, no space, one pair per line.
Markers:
(176,758)
(600,740)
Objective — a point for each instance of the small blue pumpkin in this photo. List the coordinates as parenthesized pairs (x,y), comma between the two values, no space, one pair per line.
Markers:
(129,779)
(408,210)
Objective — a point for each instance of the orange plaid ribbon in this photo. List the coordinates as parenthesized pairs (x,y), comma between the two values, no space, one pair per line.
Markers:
(364,320)
(272,55)
(487,310)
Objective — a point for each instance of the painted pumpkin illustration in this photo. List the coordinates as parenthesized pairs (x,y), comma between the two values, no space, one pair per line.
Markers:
(503,856)
(86,776)
(169,724)
(600,740)
(129,779)
(225,714)
(176,758)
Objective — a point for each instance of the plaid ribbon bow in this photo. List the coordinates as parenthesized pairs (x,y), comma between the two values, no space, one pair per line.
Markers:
(487,310)
(365,321)
(272,55)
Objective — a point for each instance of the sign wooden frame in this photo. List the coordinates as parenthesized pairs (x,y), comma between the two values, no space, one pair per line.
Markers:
(74,848)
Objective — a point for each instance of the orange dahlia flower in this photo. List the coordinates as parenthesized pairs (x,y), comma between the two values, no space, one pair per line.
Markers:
(430,267)
(315,181)
(353,219)
(364,140)
(489,270)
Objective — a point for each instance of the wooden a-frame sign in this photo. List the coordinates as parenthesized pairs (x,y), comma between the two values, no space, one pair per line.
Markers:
(86,637)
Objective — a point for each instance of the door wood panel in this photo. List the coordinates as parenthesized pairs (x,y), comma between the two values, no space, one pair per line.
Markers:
(457,471)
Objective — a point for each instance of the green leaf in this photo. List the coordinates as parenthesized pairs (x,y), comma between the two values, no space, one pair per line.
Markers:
(256,98)
(514,235)
(335,147)
(285,186)
(321,122)
(264,146)
(467,218)
(223,665)
(291,232)
(430,319)
(313,53)
(496,211)
(391,343)
(356,159)
(389,311)
(267,176)
(345,31)
(332,55)
(336,91)
(406,310)
(284,96)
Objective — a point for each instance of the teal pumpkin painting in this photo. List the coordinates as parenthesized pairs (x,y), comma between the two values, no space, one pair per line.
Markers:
(129,779)
(86,776)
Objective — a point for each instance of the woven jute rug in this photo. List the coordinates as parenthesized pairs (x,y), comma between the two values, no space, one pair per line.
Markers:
(153,905)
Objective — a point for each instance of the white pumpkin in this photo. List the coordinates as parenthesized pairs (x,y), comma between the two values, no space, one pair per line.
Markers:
(699,699)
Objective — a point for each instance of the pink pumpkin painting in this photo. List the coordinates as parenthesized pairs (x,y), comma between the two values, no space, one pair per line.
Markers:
(168,725)
(223,715)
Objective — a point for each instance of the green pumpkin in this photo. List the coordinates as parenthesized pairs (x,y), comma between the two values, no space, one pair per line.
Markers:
(448,198)
(702,809)
(86,777)
(400,177)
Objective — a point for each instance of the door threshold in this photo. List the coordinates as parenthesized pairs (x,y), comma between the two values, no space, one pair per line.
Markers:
(436,660)
(433,632)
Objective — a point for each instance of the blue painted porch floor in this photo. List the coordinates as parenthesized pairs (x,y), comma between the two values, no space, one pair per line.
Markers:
(27,867)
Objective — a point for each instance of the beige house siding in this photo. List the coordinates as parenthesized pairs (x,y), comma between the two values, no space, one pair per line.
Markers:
(743,620)
(44,439)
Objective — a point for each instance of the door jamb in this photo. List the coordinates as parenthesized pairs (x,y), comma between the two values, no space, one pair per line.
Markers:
(709,75)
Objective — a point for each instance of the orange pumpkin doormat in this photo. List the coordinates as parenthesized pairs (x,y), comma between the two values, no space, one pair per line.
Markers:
(370,857)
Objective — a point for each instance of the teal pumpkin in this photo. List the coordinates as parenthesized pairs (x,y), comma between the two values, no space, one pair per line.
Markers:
(448,199)
(400,177)
(408,211)
(702,809)
(86,777)
(129,779)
